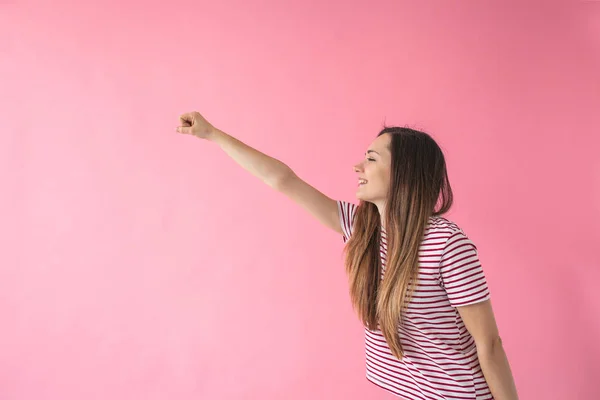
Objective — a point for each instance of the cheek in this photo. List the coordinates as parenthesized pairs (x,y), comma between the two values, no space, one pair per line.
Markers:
(383,180)
(380,178)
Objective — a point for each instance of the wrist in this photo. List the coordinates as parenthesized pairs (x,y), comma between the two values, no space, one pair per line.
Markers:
(215,135)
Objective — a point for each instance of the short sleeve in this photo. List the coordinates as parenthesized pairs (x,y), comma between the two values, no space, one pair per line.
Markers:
(461,272)
(346,212)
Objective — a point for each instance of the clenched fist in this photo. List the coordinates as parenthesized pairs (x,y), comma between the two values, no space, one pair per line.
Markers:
(193,123)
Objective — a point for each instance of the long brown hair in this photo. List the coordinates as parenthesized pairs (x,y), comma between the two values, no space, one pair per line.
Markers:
(418,183)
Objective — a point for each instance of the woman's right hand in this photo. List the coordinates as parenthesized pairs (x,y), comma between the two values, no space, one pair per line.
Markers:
(193,123)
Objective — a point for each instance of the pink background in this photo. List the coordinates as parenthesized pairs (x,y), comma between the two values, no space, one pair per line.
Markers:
(142,264)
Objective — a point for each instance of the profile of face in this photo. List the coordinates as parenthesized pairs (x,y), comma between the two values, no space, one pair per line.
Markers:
(374,172)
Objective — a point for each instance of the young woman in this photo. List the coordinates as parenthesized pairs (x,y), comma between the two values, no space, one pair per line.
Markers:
(415,278)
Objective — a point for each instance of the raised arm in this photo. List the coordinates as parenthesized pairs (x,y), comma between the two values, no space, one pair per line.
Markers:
(271,171)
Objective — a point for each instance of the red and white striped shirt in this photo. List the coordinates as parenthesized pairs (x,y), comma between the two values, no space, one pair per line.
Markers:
(440,358)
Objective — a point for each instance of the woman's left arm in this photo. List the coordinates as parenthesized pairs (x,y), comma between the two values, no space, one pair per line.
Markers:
(480,322)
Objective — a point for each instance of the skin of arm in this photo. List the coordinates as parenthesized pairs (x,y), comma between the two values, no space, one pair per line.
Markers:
(268,169)
(480,322)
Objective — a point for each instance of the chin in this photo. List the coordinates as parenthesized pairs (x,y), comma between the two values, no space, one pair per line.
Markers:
(366,199)
(362,197)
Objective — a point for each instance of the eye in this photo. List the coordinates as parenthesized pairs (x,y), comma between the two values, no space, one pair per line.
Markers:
(371,159)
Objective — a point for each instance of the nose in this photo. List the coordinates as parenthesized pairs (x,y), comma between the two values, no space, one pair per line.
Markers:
(358,167)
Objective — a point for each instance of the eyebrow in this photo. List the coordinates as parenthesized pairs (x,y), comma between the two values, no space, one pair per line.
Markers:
(372,151)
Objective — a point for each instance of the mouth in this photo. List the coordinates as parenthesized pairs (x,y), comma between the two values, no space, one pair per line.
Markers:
(362,182)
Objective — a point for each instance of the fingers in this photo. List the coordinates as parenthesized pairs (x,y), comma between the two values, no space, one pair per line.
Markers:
(184,129)
(186,121)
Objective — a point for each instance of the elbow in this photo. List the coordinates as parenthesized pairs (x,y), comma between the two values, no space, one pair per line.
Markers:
(279,181)
(489,346)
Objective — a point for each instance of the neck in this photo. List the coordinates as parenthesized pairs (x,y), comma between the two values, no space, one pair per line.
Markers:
(382,214)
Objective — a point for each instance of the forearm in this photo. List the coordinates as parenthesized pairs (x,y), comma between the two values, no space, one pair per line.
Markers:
(496,371)
(268,169)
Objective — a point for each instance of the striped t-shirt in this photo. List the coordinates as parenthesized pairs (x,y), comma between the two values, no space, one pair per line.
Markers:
(440,358)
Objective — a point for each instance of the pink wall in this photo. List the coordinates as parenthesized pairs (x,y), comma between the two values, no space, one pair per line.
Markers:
(141,264)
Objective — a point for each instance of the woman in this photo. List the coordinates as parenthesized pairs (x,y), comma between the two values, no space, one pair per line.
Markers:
(415,277)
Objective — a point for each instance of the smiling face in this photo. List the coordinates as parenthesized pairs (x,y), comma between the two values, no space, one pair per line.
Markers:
(374,172)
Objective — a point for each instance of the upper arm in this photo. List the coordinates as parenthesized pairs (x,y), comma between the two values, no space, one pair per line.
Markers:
(466,286)
(480,322)
(322,207)
(461,272)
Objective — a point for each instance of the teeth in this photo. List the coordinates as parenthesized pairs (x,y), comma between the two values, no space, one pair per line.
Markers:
(362,181)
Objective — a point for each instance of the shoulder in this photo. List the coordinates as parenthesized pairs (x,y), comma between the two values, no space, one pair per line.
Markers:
(446,230)
(443,226)
(346,213)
